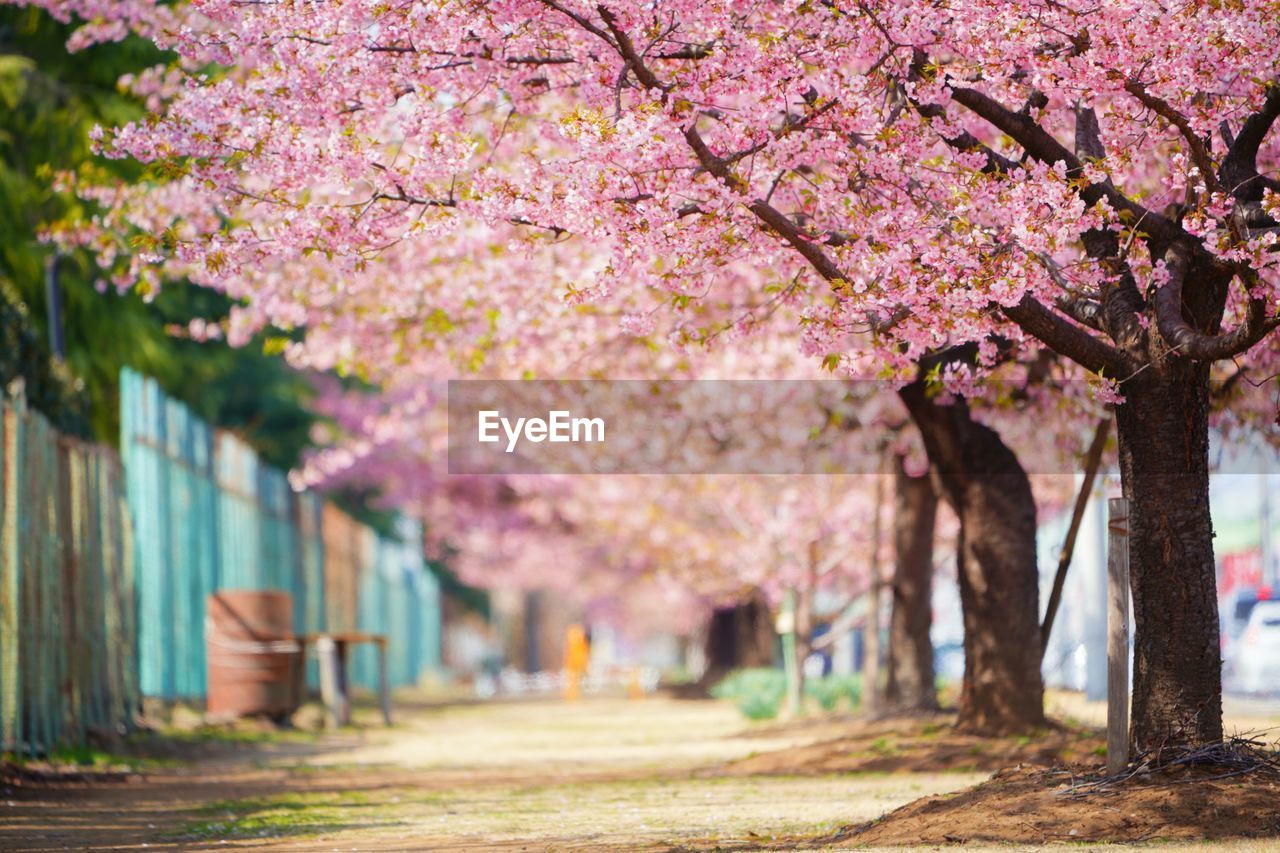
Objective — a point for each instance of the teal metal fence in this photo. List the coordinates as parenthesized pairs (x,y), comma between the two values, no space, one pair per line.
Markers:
(68,663)
(210,515)
(401,599)
(106,562)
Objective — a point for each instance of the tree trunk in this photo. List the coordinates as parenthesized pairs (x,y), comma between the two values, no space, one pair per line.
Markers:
(910,684)
(1164,464)
(740,636)
(1002,691)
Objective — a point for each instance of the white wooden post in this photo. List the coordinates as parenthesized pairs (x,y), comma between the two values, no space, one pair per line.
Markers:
(333,691)
(1118,636)
(785,625)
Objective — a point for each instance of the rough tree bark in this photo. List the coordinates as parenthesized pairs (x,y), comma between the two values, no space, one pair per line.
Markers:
(981,479)
(911,683)
(1164,463)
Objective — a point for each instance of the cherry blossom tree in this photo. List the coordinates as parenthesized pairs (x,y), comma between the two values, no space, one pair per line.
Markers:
(1094,181)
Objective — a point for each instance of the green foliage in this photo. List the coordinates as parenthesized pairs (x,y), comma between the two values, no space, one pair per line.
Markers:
(758,693)
(49,101)
(97,759)
(24,359)
(829,690)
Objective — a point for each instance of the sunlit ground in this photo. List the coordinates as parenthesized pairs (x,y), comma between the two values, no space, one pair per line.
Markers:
(532,775)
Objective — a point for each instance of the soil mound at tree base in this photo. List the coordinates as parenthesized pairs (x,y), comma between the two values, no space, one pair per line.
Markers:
(915,744)
(1028,805)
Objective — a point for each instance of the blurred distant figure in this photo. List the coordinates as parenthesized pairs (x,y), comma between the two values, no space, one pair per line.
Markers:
(577,654)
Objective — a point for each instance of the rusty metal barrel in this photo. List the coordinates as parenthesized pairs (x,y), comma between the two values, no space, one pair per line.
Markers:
(254,662)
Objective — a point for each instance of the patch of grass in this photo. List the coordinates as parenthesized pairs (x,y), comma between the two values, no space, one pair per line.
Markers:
(885,746)
(238,736)
(97,759)
(292,767)
(288,814)
(758,692)
(830,690)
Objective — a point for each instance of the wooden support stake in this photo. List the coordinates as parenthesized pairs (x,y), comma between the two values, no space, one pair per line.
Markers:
(1118,636)
(384,693)
(1093,461)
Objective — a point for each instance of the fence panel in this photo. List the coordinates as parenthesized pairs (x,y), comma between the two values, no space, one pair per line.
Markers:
(343,558)
(210,515)
(102,599)
(399,598)
(168,457)
(67,644)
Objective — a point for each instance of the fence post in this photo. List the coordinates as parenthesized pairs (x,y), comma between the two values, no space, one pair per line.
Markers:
(1117,635)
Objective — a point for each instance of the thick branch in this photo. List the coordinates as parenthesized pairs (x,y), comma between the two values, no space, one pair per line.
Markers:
(627,49)
(1041,145)
(1088,134)
(1185,338)
(1162,108)
(1065,337)
(1086,312)
(966,141)
(1239,171)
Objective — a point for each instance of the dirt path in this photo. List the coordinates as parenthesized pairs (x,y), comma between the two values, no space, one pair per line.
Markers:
(604,774)
(600,774)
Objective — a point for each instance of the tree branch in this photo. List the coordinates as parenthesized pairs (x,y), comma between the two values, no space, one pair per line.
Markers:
(1199,151)
(1239,172)
(627,50)
(1041,145)
(1086,312)
(720,168)
(1066,338)
(1088,134)
(1185,338)
(580,21)
(966,141)
(1121,302)
(789,125)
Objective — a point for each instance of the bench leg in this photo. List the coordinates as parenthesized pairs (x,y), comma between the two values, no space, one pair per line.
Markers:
(384,694)
(333,681)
